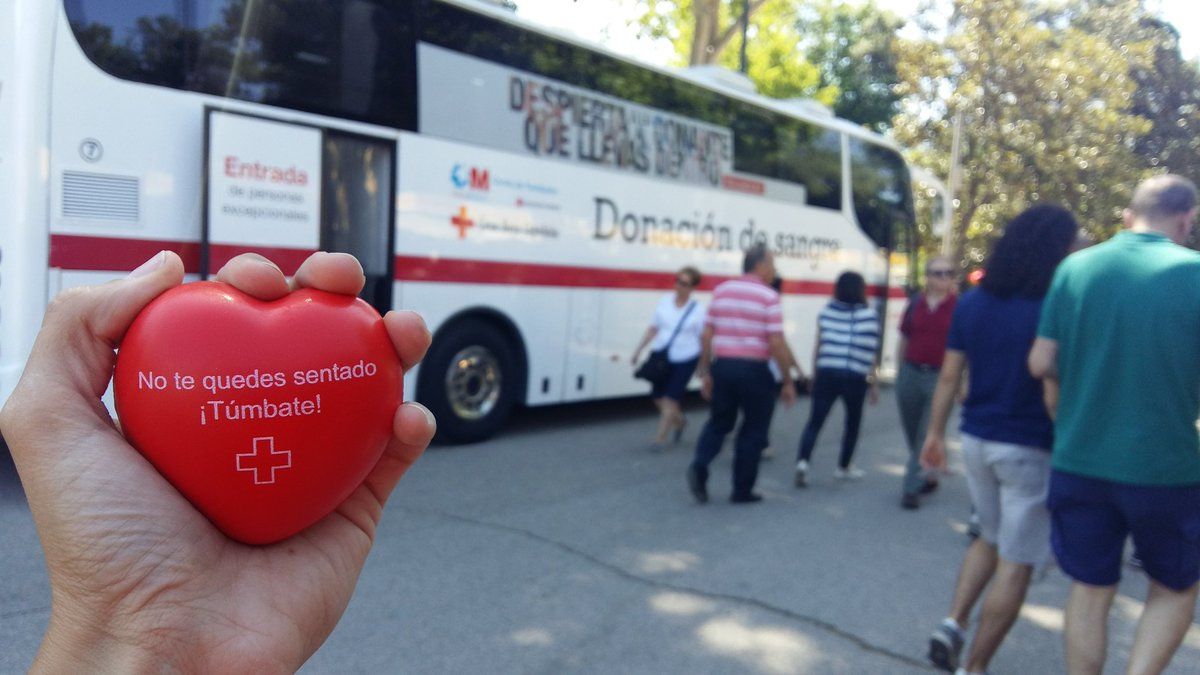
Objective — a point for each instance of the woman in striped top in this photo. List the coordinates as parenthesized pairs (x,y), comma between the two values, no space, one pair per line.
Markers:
(845,356)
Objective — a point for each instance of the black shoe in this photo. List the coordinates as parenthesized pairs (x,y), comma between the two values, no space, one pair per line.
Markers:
(748,498)
(928,487)
(696,485)
(910,502)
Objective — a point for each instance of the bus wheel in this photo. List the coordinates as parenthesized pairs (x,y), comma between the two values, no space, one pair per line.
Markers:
(469,381)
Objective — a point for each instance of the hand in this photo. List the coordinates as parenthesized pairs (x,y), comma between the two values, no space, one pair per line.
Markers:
(873,393)
(140,580)
(803,385)
(933,454)
(706,386)
(788,393)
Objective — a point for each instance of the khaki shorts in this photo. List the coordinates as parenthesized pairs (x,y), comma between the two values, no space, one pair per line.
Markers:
(1008,484)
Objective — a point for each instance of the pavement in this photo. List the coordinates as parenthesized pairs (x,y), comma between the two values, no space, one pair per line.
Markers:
(566,546)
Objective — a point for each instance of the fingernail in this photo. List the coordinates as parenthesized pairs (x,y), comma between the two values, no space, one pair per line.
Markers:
(149,266)
(430,420)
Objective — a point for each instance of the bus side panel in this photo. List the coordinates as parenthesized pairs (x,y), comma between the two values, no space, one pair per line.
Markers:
(627,315)
(604,245)
(137,148)
(26,43)
(141,149)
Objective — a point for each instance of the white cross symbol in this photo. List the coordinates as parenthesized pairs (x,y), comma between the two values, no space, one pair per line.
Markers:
(263,458)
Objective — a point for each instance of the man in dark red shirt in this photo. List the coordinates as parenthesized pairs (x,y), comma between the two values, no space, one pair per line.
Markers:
(922,345)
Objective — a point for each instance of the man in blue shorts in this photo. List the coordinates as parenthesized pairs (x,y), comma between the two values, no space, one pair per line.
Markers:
(1119,341)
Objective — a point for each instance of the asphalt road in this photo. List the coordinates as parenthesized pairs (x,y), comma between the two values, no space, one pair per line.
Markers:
(565,546)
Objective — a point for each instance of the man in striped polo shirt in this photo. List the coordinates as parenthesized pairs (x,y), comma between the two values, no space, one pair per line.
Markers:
(743,331)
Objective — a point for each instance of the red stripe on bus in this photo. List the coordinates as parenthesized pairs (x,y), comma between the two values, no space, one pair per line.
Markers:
(412,268)
(454,270)
(107,254)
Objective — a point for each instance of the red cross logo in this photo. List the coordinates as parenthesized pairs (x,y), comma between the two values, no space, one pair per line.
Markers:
(462,222)
(264,460)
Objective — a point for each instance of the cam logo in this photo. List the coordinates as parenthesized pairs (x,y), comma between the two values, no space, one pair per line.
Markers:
(475,178)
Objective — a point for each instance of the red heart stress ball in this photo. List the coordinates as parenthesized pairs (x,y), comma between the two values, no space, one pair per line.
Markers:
(265,415)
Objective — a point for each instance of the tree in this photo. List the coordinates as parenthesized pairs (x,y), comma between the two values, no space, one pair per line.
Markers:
(1168,86)
(841,55)
(854,49)
(700,29)
(1046,109)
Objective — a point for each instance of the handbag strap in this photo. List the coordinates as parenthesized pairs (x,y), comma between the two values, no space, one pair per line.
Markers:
(679,326)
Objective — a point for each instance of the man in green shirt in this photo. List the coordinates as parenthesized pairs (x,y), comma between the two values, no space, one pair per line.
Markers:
(1119,348)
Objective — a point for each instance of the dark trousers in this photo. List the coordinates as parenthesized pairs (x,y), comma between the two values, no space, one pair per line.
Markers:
(829,386)
(738,384)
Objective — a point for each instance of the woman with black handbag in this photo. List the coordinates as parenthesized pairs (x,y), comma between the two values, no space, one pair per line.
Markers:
(675,332)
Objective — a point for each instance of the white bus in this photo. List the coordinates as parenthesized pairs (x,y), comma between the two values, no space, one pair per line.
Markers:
(530,195)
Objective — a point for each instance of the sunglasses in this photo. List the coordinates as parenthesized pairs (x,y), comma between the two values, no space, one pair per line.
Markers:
(941,274)
(683,282)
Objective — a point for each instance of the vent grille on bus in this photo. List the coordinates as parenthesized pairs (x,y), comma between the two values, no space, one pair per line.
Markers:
(94,195)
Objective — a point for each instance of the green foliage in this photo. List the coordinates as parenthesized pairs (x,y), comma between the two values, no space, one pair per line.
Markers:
(854,49)
(1047,115)
(843,55)
(1168,86)
(776,63)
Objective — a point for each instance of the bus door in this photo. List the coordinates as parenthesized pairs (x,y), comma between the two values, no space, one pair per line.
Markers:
(583,345)
(285,190)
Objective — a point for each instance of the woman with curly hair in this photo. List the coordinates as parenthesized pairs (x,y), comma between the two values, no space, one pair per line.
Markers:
(1006,433)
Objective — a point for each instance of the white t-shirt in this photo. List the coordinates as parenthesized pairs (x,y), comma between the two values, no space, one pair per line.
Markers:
(687,344)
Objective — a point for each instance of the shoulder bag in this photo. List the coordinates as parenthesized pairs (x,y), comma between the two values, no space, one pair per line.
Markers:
(656,368)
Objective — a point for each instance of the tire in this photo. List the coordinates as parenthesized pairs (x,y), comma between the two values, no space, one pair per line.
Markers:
(469,381)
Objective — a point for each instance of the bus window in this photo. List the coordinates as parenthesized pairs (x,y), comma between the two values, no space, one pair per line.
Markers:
(348,59)
(882,194)
(766,143)
(356,201)
(755,148)
(811,156)
(771,145)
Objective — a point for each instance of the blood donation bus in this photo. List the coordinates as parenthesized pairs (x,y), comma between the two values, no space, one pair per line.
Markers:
(530,195)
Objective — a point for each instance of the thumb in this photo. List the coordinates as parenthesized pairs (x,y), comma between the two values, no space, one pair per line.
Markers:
(84,325)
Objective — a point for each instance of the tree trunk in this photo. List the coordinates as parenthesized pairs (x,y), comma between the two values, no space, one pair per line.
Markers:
(970,200)
(704,38)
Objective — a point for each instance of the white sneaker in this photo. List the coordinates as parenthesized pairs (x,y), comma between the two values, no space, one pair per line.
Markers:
(801,479)
(849,473)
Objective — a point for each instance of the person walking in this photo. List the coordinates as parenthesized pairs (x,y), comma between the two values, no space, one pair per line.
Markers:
(1118,348)
(743,331)
(675,333)
(922,345)
(1006,433)
(844,364)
